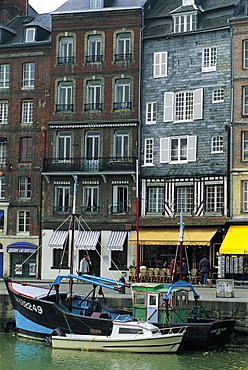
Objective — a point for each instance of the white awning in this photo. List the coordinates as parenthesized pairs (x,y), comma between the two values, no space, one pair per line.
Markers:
(58,239)
(87,240)
(117,240)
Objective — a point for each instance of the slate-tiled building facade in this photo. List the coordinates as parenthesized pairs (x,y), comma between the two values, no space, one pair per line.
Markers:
(185,134)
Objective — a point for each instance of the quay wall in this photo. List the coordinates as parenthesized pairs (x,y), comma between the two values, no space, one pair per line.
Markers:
(223,309)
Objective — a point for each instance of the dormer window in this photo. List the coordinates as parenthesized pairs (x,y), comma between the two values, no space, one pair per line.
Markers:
(188,2)
(96,4)
(30,34)
(184,22)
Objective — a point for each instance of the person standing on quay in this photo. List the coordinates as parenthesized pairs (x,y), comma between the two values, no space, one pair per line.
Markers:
(85,266)
(204,268)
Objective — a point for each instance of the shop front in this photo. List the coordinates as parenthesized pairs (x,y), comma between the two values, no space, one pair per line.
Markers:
(233,254)
(23,262)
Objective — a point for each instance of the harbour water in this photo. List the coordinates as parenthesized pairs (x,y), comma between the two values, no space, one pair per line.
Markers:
(24,354)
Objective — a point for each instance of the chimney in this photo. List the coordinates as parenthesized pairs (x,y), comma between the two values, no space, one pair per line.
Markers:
(9,9)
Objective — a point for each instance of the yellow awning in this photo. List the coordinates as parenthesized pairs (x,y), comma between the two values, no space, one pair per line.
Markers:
(169,236)
(236,241)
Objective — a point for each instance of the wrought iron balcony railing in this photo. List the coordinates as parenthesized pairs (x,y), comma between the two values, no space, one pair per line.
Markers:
(123,57)
(93,107)
(90,164)
(90,209)
(122,106)
(66,60)
(64,107)
(120,208)
(61,209)
(94,59)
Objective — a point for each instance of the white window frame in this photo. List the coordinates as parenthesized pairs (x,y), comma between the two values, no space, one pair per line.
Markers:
(66,51)
(123,46)
(65,95)
(2,187)
(118,207)
(245,146)
(245,196)
(3,152)
(209,59)
(121,144)
(26,221)
(94,94)
(186,195)
(27,111)
(160,64)
(91,199)
(214,198)
(95,4)
(191,109)
(156,199)
(4,107)
(151,112)
(188,2)
(30,34)
(217,144)
(28,75)
(94,48)
(245,100)
(185,22)
(148,152)
(4,76)
(123,93)
(24,187)
(166,149)
(218,95)
(245,54)
(63,146)
(62,192)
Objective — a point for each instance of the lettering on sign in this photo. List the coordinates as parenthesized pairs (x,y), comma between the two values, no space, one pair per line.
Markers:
(29,306)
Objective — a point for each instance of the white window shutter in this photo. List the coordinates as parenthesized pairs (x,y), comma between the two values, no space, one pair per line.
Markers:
(164,150)
(156,64)
(163,63)
(198,103)
(192,148)
(168,106)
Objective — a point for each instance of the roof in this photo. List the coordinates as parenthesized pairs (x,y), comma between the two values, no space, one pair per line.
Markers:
(83,5)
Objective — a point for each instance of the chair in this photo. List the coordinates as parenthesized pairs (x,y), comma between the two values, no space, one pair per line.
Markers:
(133,274)
(162,275)
(156,275)
(143,275)
(168,276)
(194,276)
(150,274)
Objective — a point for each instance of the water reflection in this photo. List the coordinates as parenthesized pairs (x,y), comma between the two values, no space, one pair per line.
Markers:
(25,354)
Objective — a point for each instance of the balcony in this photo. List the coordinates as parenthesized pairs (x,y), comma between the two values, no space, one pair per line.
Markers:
(94,59)
(61,210)
(65,60)
(90,209)
(89,107)
(64,107)
(102,165)
(121,207)
(122,106)
(123,57)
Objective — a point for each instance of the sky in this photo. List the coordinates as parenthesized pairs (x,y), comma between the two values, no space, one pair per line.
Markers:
(45,6)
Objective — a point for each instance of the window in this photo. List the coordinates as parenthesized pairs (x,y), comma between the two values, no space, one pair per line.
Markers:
(209,59)
(66,50)
(178,149)
(92,151)
(245,146)
(26,150)
(62,199)
(123,47)
(120,199)
(156,199)
(188,2)
(245,54)
(151,112)
(185,23)
(214,198)
(217,144)
(90,199)
(218,95)
(119,258)
(122,95)
(121,144)
(148,152)
(28,75)
(93,96)
(23,221)
(27,111)
(3,112)
(24,187)
(245,100)
(3,147)
(183,106)
(94,49)
(63,146)
(64,97)
(185,198)
(96,4)
(61,256)
(4,76)
(2,187)
(30,35)
(160,64)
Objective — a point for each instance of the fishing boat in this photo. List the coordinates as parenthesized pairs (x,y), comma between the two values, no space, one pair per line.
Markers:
(169,305)
(127,336)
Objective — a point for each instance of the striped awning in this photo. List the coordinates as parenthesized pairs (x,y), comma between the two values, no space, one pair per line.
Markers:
(58,239)
(22,247)
(87,240)
(117,240)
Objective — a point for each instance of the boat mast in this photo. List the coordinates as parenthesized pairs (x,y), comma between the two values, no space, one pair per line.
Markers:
(72,233)
(137,223)
(181,223)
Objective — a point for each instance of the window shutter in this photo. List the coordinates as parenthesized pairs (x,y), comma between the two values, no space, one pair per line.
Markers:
(192,148)
(198,103)
(156,64)
(160,64)
(168,106)
(164,150)
(163,63)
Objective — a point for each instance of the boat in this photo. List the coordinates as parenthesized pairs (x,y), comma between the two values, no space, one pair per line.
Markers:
(169,305)
(126,336)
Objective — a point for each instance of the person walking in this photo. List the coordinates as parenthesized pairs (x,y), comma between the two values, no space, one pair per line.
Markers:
(204,268)
(173,271)
(184,270)
(85,266)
